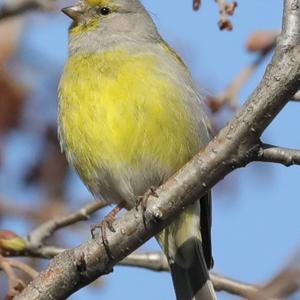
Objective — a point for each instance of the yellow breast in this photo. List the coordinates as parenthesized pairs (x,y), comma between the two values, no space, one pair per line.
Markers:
(119,109)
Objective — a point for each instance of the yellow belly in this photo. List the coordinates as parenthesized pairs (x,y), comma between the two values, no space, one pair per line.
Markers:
(118,109)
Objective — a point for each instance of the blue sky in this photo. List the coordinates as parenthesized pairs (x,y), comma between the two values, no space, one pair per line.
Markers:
(256,227)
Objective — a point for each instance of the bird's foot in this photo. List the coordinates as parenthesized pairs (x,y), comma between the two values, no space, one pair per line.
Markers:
(143,201)
(107,223)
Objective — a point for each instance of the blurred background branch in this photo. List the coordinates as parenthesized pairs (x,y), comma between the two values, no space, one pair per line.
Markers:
(156,261)
(260,42)
(13,8)
(37,237)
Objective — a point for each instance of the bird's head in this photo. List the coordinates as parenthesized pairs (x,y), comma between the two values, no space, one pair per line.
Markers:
(102,22)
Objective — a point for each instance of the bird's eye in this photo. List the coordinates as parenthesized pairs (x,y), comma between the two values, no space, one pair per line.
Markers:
(104,11)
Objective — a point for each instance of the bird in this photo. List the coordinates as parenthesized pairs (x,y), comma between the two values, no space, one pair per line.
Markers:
(129,117)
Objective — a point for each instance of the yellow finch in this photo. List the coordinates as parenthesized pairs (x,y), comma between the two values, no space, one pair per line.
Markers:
(129,117)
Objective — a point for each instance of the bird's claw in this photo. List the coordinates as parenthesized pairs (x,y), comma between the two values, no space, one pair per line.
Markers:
(143,201)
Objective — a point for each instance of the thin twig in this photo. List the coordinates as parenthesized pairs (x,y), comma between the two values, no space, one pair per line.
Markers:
(285,156)
(262,43)
(231,92)
(15,285)
(44,231)
(156,261)
(229,95)
(23,267)
(231,286)
(41,252)
(283,285)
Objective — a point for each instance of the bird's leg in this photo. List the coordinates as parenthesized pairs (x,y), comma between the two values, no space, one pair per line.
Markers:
(107,223)
(111,217)
(143,201)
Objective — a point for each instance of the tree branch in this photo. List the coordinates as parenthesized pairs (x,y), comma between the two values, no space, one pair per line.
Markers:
(229,95)
(156,261)
(15,285)
(23,267)
(47,229)
(236,145)
(13,8)
(283,285)
(285,156)
(231,286)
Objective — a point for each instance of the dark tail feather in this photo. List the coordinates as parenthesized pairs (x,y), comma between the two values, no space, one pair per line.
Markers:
(189,273)
(205,227)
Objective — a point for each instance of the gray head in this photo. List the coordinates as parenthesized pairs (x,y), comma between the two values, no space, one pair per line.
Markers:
(99,24)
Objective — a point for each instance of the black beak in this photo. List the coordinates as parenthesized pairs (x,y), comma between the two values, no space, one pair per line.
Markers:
(74,12)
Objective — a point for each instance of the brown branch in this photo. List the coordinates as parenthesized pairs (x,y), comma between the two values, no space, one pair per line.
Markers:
(283,285)
(285,282)
(231,286)
(13,8)
(262,42)
(24,268)
(156,261)
(47,229)
(231,92)
(34,242)
(229,95)
(285,156)
(236,145)
(41,252)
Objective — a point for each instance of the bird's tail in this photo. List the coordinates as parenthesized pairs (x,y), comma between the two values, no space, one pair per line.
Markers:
(190,276)
(186,244)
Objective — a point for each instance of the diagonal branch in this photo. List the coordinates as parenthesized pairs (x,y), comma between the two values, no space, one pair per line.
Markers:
(15,285)
(233,287)
(283,285)
(285,156)
(229,95)
(47,229)
(23,267)
(235,146)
